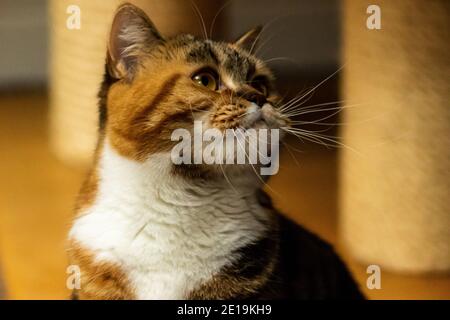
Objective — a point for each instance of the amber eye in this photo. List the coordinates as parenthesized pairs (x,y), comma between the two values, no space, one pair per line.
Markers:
(206,79)
(260,84)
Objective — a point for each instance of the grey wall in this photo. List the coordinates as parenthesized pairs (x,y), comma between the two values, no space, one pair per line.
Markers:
(23,42)
(306,31)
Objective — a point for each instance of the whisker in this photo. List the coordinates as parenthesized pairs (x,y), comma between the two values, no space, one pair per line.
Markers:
(309,135)
(313,106)
(272,21)
(317,122)
(308,138)
(262,45)
(226,4)
(200,16)
(292,147)
(227,179)
(254,170)
(281,59)
(307,111)
(297,99)
(318,85)
(288,148)
(310,131)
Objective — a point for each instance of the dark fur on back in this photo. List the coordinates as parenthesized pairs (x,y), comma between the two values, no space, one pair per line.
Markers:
(307,266)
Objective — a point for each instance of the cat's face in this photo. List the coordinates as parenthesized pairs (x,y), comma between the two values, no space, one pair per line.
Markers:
(167,84)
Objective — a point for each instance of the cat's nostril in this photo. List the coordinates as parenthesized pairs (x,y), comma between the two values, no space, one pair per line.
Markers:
(257,99)
(253,96)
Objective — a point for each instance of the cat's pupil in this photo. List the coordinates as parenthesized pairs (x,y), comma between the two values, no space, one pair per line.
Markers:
(205,81)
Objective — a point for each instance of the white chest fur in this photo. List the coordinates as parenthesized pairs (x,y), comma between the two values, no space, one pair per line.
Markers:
(168,234)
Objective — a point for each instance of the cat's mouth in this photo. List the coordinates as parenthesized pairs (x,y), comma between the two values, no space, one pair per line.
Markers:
(265,117)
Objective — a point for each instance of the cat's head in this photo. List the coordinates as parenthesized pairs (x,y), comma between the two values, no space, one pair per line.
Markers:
(157,85)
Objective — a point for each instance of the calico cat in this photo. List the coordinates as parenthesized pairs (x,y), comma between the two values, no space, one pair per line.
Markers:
(149,229)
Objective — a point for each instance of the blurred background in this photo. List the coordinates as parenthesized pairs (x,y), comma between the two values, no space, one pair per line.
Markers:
(377,187)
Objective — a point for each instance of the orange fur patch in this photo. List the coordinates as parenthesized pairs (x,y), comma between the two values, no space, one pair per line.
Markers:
(99,280)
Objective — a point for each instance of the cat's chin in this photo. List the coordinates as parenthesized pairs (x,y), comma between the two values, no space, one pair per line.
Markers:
(241,173)
(237,174)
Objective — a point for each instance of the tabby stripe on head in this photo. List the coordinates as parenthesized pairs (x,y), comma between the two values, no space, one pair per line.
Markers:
(165,90)
(143,115)
(155,129)
(202,54)
(108,81)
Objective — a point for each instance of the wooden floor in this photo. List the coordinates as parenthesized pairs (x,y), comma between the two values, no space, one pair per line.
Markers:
(37,193)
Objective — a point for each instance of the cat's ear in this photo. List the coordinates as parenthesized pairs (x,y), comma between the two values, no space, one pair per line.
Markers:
(132,35)
(248,40)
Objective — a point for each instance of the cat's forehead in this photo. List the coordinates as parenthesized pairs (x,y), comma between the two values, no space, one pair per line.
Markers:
(237,63)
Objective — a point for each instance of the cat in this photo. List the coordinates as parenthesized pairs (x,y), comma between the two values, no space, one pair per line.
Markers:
(149,229)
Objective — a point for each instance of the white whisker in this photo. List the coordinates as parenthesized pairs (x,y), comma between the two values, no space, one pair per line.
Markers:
(200,16)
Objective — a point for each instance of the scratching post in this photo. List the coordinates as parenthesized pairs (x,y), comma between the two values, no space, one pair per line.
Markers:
(77,63)
(394,194)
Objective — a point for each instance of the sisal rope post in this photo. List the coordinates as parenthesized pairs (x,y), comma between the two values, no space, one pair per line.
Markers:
(395,188)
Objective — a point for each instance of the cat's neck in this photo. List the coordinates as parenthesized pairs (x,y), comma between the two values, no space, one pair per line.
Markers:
(155,179)
(151,190)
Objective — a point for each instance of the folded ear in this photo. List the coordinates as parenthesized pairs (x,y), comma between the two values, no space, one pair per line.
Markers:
(132,35)
(248,40)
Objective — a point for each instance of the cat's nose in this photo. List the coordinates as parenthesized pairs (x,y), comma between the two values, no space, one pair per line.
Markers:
(255,97)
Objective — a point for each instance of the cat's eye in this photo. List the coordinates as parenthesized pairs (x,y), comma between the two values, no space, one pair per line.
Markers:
(206,79)
(260,84)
